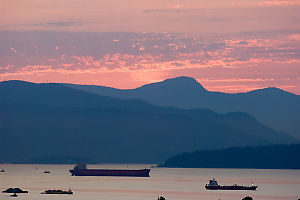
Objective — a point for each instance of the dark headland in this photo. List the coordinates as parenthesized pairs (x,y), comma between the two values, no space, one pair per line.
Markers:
(262,157)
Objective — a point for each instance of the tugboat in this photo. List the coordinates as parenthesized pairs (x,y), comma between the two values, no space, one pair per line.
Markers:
(14,190)
(213,185)
(57,192)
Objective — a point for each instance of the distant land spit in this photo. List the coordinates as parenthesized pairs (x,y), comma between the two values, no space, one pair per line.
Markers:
(262,157)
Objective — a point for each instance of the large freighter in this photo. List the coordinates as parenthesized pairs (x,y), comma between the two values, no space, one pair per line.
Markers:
(81,170)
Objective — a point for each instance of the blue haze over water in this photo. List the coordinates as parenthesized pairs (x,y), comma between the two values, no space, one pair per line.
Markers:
(172,183)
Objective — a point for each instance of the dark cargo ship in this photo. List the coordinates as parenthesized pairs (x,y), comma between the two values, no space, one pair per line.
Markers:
(213,185)
(81,170)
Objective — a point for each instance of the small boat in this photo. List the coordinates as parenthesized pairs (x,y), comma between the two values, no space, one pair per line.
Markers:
(213,185)
(46,172)
(14,190)
(14,195)
(161,198)
(2,170)
(57,192)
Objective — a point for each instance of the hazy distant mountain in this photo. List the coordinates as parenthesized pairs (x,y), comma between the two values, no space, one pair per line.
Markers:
(51,120)
(272,106)
(263,157)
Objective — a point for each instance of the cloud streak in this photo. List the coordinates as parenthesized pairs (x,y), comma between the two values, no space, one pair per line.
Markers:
(280,3)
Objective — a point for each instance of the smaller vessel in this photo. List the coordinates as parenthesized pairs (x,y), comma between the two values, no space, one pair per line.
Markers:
(2,170)
(46,172)
(57,192)
(213,185)
(14,190)
(14,195)
(161,198)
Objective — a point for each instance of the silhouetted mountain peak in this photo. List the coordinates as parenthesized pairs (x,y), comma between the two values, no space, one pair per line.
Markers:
(184,80)
(15,82)
(179,83)
(271,91)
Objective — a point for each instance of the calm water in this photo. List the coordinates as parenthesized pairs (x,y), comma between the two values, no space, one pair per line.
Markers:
(174,184)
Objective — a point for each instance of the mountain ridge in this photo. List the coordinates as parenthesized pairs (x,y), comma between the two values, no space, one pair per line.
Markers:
(274,107)
(37,117)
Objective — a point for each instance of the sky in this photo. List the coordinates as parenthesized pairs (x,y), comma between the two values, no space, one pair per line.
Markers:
(226,45)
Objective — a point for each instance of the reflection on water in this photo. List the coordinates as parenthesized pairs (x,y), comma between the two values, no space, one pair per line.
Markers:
(174,184)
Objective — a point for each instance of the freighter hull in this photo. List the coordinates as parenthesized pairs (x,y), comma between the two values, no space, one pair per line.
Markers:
(213,185)
(110,172)
(233,187)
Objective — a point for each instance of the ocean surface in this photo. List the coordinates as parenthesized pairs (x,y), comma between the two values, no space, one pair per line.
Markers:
(173,184)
